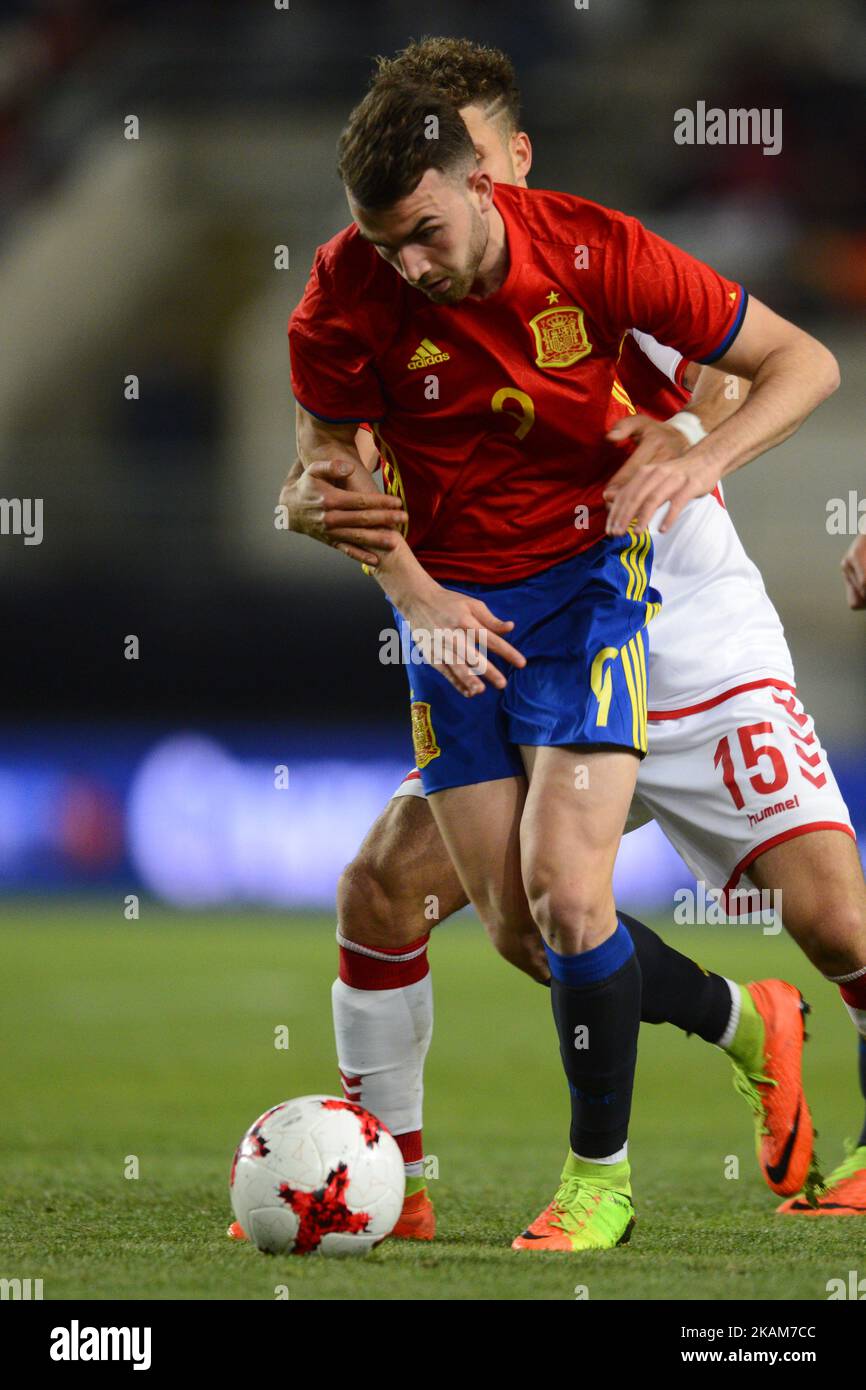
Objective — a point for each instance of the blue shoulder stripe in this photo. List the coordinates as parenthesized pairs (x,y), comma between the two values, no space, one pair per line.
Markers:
(731,334)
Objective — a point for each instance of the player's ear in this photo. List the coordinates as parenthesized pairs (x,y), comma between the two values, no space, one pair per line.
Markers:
(480,183)
(521,155)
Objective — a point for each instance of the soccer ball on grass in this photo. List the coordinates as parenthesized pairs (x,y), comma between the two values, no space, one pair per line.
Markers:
(317,1175)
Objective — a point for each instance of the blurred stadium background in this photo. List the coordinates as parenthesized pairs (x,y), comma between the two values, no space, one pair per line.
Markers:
(155,257)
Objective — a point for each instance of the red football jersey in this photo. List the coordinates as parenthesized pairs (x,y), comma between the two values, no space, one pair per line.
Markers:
(490,415)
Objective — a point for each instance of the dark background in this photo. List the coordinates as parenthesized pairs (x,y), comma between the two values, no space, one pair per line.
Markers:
(155,257)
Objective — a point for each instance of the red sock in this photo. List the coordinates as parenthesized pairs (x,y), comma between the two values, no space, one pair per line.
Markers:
(853,991)
(383,967)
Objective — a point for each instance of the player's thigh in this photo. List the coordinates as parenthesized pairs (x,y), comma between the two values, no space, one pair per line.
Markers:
(473,776)
(480,825)
(572,823)
(402,880)
(821,896)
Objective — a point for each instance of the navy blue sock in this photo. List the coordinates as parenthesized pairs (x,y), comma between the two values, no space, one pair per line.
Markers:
(596,999)
(675,989)
(861,1142)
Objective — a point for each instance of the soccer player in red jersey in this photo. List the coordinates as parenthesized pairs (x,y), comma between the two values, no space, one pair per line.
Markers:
(480,508)
(383,999)
(382,1018)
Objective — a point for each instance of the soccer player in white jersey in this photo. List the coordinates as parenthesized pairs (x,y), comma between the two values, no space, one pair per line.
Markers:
(737,778)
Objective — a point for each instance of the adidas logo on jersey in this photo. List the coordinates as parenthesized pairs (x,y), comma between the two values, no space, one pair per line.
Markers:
(427,354)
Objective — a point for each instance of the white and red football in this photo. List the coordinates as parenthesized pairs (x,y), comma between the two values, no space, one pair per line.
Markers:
(317,1175)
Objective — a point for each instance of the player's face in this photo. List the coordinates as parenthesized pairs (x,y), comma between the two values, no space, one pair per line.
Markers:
(506,159)
(436,236)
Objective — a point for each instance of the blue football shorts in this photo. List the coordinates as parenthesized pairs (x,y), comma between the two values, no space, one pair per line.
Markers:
(581,624)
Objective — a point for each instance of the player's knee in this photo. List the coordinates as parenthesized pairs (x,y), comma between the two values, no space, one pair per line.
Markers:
(569,917)
(835,939)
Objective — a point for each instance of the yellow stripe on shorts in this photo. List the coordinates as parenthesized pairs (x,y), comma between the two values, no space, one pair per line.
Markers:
(627,558)
(643,552)
(633,655)
(640,670)
(629,680)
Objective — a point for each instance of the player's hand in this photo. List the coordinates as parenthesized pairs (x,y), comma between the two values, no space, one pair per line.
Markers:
(657,472)
(458,631)
(854,573)
(320,505)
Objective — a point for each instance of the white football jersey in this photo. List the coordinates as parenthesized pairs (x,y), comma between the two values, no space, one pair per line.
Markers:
(717,627)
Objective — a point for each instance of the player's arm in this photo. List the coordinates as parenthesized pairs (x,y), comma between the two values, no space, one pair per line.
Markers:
(790,373)
(333,371)
(334,500)
(329,494)
(427,606)
(716,395)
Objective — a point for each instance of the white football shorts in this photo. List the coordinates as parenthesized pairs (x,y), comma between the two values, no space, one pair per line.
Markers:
(729,778)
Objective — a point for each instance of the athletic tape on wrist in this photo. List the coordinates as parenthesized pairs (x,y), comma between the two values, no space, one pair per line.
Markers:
(689,425)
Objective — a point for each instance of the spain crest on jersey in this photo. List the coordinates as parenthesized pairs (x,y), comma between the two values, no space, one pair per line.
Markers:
(423,737)
(560,336)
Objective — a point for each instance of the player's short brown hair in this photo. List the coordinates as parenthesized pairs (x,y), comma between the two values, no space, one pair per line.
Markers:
(394,136)
(467,73)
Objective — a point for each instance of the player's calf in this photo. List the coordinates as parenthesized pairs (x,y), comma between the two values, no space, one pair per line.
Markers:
(401,882)
(514,935)
(383,999)
(824,908)
(823,896)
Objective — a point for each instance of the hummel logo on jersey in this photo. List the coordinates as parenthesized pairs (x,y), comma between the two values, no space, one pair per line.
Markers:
(427,354)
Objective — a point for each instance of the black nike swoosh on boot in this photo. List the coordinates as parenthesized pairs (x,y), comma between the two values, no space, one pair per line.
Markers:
(777,1172)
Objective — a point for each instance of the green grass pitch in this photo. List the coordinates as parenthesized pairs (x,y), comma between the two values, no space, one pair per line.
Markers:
(156,1039)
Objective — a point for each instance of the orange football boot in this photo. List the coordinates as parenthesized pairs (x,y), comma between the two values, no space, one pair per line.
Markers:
(236,1231)
(417,1220)
(542,1234)
(584,1215)
(774,1090)
(843,1194)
